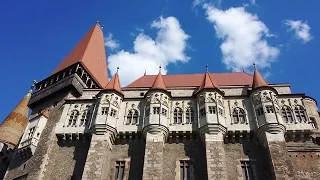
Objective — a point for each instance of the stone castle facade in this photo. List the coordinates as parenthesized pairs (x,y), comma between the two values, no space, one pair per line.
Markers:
(169,127)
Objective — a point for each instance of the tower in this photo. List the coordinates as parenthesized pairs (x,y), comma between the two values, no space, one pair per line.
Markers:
(271,129)
(11,130)
(212,126)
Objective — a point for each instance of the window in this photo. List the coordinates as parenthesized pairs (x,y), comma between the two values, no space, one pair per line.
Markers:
(104,110)
(185,170)
(259,111)
(73,118)
(156,110)
(313,122)
(113,112)
(177,116)
(132,117)
(84,118)
(246,170)
(119,174)
(164,112)
(189,116)
(31,132)
(238,116)
(287,114)
(220,111)
(269,109)
(202,112)
(212,109)
(300,114)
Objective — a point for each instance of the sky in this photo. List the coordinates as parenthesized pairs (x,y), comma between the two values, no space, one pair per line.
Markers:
(183,36)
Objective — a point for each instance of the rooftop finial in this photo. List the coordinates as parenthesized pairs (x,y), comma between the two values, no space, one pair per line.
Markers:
(98,20)
(207,68)
(160,68)
(33,86)
(243,69)
(254,65)
(145,72)
(117,69)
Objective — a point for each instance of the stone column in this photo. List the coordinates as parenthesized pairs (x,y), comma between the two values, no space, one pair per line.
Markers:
(216,157)
(152,167)
(279,157)
(96,163)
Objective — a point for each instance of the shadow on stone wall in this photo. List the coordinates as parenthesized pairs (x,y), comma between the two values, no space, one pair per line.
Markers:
(136,152)
(195,150)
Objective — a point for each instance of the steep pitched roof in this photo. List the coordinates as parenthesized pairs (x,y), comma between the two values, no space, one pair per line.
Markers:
(90,52)
(114,84)
(208,82)
(258,80)
(12,128)
(194,80)
(159,83)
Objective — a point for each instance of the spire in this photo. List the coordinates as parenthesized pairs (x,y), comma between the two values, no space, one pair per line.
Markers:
(258,80)
(12,128)
(145,72)
(90,53)
(114,83)
(159,82)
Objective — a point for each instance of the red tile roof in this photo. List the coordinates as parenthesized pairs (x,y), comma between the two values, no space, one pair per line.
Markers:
(208,82)
(258,80)
(90,52)
(114,84)
(194,80)
(12,128)
(159,83)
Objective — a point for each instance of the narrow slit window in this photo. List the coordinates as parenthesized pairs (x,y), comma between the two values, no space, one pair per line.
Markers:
(185,170)
(246,170)
(119,170)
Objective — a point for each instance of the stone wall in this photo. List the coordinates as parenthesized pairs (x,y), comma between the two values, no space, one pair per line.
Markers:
(184,150)
(306,165)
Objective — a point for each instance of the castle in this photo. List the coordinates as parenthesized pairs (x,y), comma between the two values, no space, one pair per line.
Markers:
(211,126)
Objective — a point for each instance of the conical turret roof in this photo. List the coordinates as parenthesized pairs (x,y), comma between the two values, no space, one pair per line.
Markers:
(90,53)
(114,84)
(258,80)
(12,128)
(159,83)
(208,82)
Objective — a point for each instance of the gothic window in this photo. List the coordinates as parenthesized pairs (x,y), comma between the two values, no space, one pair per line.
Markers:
(287,114)
(259,111)
(113,112)
(189,116)
(156,110)
(164,112)
(300,114)
(212,109)
(238,116)
(119,174)
(269,109)
(202,112)
(220,111)
(84,118)
(73,118)
(246,170)
(185,170)
(132,117)
(104,110)
(313,122)
(31,132)
(177,116)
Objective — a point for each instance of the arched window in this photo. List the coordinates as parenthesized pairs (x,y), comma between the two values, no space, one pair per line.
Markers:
(177,116)
(132,117)
(84,118)
(287,114)
(189,116)
(300,114)
(239,116)
(73,118)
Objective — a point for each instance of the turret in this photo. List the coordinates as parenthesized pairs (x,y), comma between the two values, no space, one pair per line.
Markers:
(157,108)
(108,107)
(266,108)
(211,111)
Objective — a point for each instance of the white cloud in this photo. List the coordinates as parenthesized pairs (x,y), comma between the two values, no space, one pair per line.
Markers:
(243,38)
(110,42)
(301,29)
(148,53)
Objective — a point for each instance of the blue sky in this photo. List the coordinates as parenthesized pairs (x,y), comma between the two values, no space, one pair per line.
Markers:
(280,36)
